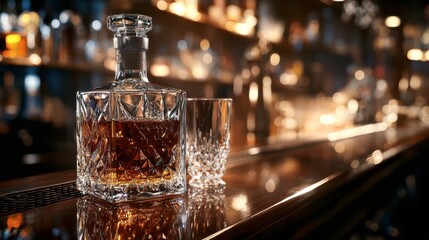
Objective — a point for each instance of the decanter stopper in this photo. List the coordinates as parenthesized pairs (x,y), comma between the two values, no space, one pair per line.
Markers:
(129,24)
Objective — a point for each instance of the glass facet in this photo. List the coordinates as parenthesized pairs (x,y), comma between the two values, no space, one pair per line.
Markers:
(131,133)
(208,140)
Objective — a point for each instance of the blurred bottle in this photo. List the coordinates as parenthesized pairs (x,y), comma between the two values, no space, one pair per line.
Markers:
(361,91)
(258,115)
(33,101)
(10,98)
(12,44)
(46,40)
(29,24)
(67,37)
(81,36)
(95,49)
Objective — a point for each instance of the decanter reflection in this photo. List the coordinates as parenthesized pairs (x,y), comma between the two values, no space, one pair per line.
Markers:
(154,219)
(206,212)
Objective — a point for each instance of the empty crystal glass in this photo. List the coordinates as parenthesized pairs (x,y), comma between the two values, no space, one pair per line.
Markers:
(207,139)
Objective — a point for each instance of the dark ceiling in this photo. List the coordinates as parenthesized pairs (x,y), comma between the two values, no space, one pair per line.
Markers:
(410,11)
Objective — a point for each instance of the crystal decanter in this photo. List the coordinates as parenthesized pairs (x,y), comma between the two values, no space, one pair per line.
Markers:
(131,133)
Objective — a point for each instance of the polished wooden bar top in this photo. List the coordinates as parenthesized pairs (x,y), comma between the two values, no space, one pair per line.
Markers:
(277,186)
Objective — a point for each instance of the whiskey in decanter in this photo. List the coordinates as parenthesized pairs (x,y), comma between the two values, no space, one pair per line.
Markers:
(131,133)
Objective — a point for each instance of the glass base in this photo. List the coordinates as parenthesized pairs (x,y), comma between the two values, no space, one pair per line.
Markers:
(130,192)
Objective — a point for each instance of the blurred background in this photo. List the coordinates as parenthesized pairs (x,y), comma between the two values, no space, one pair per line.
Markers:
(297,70)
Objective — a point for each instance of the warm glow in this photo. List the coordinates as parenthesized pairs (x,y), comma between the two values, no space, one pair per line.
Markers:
(159,70)
(359,75)
(207,58)
(415,82)
(199,72)
(270,185)
(162,5)
(290,123)
(250,122)
(254,52)
(275,59)
(355,164)
(245,73)
(253,92)
(286,108)
(392,117)
(327,119)
(243,29)
(391,107)
(352,106)
(309,188)
(230,26)
(288,78)
(424,116)
(238,85)
(240,203)
(255,70)
(376,157)
(251,20)
(233,12)
(415,54)
(403,84)
(392,21)
(14,221)
(278,121)
(266,82)
(339,147)
(426,55)
(312,29)
(254,151)
(204,44)
(193,14)
(271,30)
(357,131)
(250,137)
(381,85)
(339,98)
(178,8)
(35,59)
(341,113)
(13,38)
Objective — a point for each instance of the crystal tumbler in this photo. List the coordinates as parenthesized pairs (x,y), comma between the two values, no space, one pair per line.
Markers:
(207,139)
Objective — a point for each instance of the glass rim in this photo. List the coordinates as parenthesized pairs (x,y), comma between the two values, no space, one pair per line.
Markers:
(209,99)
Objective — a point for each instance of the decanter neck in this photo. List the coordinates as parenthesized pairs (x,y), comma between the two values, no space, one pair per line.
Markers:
(131,57)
